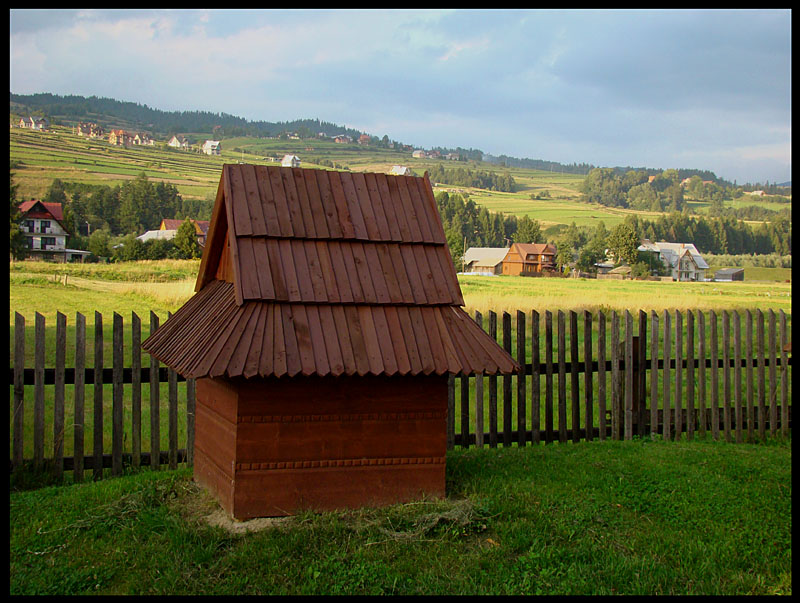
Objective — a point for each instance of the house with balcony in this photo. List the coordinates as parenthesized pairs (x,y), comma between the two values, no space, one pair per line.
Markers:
(529,258)
(34,123)
(42,224)
(120,138)
(178,142)
(90,130)
(212,147)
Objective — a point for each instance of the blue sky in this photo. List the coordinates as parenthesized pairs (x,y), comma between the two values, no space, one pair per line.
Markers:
(706,89)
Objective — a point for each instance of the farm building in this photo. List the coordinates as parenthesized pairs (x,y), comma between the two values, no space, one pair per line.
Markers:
(485,260)
(290,161)
(528,258)
(729,274)
(325,323)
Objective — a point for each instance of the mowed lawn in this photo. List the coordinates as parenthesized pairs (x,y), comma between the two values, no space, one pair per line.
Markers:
(628,518)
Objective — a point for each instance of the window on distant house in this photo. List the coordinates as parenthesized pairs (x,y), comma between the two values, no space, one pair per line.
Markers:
(44,225)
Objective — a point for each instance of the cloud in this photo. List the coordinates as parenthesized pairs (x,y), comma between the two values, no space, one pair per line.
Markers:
(609,87)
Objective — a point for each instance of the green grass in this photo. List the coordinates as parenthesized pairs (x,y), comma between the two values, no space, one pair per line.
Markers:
(602,518)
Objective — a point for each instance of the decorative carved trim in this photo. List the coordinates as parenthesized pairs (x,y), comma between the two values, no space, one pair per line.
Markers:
(388,416)
(336,463)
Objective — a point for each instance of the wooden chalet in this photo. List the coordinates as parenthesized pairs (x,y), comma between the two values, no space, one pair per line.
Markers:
(326,320)
(528,258)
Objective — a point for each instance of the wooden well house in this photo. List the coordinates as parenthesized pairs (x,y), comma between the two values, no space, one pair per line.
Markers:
(326,319)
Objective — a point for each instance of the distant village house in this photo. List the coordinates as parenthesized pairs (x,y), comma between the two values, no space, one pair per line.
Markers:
(211,147)
(484,260)
(45,233)
(290,161)
(34,123)
(683,260)
(178,142)
(90,130)
(529,258)
(400,170)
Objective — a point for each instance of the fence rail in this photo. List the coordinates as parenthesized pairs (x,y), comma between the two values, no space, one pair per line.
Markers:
(673,392)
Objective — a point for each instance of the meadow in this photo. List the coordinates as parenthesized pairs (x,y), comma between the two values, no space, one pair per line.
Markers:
(604,518)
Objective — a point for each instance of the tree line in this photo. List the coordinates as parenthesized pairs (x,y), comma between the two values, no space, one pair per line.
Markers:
(478,178)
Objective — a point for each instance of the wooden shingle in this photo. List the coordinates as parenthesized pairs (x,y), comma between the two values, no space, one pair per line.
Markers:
(318,272)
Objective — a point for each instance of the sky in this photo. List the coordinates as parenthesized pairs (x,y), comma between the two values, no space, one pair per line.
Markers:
(703,89)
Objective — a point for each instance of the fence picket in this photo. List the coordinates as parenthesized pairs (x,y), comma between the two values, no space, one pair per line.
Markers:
(535,382)
(641,373)
(136,391)
(155,419)
(172,416)
(726,374)
(629,381)
(666,409)
(773,386)
(116,400)
(573,373)
(38,392)
(80,378)
(493,387)
(521,385)
(751,413)
(784,378)
(690,416)
(19,391)
(58,397)
(587,376)
(507,382)
(701,372)
(97,435)
(615,384)
(464,379)
(712,317)
(548,370)
(762,409)
(479,395)
(678,375)
(737,375)
(562,378)
(653,374)
(601,373)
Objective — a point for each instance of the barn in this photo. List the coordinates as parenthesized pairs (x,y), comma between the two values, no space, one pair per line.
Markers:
(326,320)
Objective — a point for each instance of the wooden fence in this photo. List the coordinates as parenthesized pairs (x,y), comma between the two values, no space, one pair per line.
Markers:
(616,401)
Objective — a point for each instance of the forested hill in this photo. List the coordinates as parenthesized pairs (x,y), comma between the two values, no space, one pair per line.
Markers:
(69,109)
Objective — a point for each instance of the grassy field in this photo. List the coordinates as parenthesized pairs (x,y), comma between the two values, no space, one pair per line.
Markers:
(633,518)
(41,157)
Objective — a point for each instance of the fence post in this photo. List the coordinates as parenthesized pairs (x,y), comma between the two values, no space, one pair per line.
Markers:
(190,405)
(701,372)
(714,376)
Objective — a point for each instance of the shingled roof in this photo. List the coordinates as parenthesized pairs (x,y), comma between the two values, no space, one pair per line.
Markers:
(326,273)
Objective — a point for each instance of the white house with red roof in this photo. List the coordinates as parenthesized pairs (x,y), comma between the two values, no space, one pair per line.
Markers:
(45,232)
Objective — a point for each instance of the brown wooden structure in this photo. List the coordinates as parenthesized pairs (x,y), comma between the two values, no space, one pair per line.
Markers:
(529,258)
(326,321)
